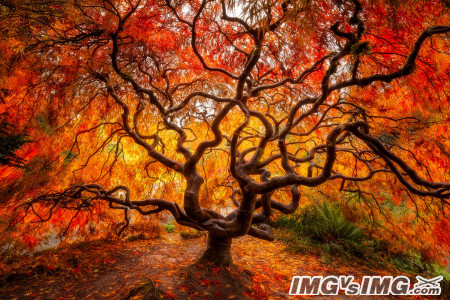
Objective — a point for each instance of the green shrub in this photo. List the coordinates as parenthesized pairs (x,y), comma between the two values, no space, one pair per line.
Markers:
(170,227)
(322,223)
(325,223)
(323,229)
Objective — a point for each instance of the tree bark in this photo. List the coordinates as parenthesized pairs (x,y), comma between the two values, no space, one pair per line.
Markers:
(218,251)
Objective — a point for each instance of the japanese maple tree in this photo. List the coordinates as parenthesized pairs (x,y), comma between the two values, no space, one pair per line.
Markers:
(219,112)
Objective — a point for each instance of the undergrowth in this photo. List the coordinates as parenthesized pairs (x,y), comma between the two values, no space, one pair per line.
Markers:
(322,229)
(170,227)
(192,234)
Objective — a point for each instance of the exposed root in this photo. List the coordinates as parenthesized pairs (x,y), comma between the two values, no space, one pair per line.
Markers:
(146,291)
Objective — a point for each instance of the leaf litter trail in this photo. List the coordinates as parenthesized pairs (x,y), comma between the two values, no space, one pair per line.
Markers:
(111,270)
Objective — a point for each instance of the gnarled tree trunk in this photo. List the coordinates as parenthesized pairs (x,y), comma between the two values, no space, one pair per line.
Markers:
(218,251)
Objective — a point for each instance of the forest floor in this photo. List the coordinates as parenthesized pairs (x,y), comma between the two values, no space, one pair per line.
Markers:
(109,270)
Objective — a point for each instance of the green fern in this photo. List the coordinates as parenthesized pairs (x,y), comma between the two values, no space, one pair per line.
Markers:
(326,223)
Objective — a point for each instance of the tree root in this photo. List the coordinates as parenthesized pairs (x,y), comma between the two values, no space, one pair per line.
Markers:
(146,291)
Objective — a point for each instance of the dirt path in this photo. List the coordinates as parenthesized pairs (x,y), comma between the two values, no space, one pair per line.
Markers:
(110,271)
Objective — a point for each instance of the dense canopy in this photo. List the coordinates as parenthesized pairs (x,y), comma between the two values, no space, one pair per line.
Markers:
(221,113)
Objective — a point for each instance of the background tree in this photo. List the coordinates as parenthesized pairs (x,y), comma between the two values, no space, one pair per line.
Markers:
(193,107)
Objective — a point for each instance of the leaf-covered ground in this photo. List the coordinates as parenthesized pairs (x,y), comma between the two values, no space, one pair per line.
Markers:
(109,270)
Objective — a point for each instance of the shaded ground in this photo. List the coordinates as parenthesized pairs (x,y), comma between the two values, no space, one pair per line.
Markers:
(101,270)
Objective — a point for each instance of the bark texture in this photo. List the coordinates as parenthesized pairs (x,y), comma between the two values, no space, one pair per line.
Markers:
(218,251)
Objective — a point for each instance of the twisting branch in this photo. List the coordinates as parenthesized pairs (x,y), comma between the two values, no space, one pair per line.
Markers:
(271,143)
(74,198)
